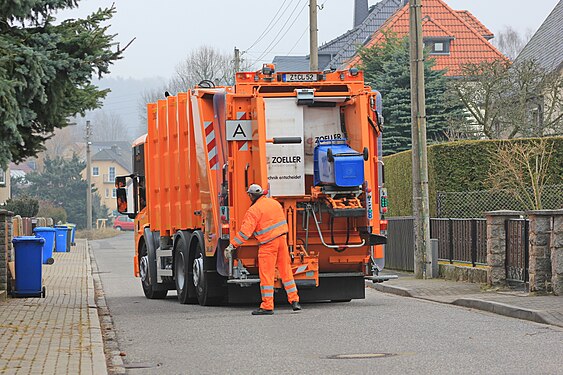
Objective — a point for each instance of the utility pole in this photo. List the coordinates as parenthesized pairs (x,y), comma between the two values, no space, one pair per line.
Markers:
(88,178)
(237,60)
(422,250)
(313,40)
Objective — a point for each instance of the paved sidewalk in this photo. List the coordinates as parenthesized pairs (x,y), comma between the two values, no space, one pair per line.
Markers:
(59,334)
(517,304)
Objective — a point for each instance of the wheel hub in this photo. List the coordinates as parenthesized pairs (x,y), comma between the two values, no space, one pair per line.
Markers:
(198,271)
(144,269)
(180,269)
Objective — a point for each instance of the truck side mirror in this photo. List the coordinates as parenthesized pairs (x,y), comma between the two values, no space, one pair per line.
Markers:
(121,200)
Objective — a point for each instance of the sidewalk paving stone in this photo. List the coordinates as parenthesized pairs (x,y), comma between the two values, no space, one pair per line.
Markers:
(58,334)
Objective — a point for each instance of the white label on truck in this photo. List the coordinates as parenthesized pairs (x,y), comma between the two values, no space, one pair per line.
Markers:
(239,130)
(320,123)
(285,162)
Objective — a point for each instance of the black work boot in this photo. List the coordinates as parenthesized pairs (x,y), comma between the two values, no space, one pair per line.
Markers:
(295,306)
(261,311)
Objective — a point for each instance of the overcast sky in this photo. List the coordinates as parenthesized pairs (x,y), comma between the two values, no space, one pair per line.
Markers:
(167,30)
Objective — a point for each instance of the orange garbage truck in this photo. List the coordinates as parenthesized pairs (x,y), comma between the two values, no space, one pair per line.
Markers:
(312,140)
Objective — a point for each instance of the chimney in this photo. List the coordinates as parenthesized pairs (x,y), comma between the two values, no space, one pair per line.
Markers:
(360,11)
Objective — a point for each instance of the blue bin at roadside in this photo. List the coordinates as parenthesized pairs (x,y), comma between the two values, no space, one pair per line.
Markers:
(48,234)
(28,255)
(62,240)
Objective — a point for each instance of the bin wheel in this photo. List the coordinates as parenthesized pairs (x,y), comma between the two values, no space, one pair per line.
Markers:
(329,155)
(50,261)
(366,153)
(43,292)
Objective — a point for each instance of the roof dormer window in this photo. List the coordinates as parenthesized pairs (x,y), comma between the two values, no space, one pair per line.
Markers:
(438,46)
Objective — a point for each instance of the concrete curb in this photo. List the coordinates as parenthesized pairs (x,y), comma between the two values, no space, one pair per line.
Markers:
(474,303)
(98,356)
(506,310)
(111,353)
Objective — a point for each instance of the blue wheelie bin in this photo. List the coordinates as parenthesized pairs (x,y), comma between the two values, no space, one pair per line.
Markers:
(62,240)
(29,279)
(49,235)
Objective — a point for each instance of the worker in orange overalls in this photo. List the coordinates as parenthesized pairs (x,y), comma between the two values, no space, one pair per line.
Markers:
(265,220)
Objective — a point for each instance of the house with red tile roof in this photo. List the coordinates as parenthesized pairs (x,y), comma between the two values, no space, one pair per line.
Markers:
(454,38)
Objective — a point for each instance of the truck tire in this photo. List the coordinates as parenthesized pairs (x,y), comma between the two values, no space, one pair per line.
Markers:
(207,282)
(182,268)
(147,282)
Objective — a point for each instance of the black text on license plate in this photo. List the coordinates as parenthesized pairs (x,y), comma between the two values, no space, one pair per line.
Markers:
(291,77)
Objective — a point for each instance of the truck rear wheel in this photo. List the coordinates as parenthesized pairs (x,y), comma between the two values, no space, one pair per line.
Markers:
(207,283)
(145,262)
(182,273)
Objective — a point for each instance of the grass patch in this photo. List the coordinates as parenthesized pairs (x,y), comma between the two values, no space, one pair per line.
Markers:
(97,234)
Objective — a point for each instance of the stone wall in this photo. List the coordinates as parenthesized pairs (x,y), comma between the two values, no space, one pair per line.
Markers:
(545,262)
(546,251)
(496,245)
(5,249)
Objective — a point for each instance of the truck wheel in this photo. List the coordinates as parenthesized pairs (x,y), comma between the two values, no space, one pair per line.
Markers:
(181,271)
(204,282)
(144,270)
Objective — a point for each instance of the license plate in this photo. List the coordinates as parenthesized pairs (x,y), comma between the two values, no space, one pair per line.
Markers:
(299,77)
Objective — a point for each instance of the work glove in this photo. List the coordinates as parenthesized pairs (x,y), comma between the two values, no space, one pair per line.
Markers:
(228,250)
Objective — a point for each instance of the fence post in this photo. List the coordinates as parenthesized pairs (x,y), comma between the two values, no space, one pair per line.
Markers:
(473,242)
(496,245)
(451,240)
(540,255)
(5,246)
(557,253)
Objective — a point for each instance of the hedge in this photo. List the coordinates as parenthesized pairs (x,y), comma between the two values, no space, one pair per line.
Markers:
(453,167)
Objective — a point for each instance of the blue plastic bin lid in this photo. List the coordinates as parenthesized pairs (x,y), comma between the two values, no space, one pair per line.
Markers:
(28,239)
(44,229)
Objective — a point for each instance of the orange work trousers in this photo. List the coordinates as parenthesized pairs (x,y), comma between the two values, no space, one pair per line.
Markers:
(271,255)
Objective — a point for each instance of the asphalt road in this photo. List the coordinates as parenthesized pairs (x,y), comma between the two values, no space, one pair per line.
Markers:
(399,335)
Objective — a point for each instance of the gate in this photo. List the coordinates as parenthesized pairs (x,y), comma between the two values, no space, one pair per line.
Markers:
(517,247)
(399,250)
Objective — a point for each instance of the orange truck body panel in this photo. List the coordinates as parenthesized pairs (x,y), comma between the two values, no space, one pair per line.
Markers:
(191,161)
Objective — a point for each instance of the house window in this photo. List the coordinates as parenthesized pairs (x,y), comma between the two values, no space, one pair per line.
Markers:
(2,177)
(107,193)
(437,47)
(114,193)
(111,174)
(95,171)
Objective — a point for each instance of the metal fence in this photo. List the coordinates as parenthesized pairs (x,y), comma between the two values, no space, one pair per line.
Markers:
(470,204)
(460,240)
(517,249)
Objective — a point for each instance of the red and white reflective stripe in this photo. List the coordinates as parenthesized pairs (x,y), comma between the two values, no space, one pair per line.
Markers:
(211,145)
(244,145)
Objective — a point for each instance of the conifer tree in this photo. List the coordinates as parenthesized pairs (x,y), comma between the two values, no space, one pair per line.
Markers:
(387,69)
(46,71)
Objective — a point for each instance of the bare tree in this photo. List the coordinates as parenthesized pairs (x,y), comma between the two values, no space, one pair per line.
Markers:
(108,126)
(63,143)
(510,42)
(521,169)
(205,63)
(507,101)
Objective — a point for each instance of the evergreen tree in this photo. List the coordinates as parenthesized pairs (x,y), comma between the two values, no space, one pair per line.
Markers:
(387,69)
(46,71)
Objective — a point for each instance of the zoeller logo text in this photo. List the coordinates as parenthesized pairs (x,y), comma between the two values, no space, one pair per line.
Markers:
(285,159)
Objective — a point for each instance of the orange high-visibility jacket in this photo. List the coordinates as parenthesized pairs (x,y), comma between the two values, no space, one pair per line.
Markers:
(265,220)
